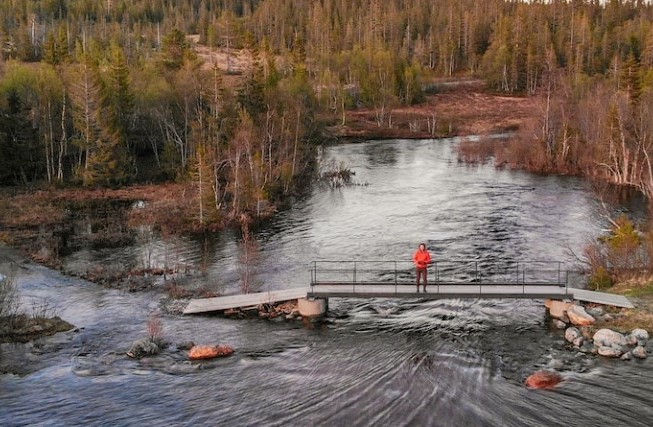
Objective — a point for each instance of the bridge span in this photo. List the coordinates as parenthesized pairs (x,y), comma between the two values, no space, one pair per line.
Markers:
(446,280)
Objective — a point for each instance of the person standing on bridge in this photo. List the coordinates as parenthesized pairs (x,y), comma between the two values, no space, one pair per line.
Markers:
(422,259)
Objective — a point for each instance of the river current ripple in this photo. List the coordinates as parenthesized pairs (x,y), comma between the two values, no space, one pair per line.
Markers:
(371,363)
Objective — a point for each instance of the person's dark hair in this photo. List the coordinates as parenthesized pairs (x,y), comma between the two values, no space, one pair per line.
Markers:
(422,244)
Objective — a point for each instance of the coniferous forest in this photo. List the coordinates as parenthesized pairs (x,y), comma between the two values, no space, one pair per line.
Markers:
(234,95)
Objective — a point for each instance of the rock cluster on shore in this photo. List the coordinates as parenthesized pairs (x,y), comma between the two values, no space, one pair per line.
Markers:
(579,325)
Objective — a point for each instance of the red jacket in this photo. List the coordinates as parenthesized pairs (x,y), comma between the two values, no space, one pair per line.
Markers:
(422,258)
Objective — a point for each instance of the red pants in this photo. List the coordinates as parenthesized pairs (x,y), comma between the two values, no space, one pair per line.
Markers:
(422,272)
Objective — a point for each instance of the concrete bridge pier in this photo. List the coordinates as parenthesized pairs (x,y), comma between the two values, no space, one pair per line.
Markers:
(312,307)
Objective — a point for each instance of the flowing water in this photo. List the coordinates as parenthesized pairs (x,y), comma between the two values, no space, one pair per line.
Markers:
(376,362)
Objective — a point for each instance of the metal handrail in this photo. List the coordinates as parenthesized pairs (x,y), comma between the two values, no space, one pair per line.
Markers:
(473,272)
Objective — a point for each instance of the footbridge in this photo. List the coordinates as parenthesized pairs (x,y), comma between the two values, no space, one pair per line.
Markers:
(445,279)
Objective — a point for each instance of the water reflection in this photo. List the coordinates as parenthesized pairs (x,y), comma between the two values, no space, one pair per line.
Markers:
(381,154)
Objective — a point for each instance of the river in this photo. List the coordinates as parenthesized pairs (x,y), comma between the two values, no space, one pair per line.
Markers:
(382,362)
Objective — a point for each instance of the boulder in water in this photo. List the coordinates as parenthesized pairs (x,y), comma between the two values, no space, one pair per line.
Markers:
(571,334)
(579,317)
(610,351)
(187,345)
(608,338)
(638,336)
(143,347)
(199,352)
(640,352)
(559,324)
(543,379)
(557,309)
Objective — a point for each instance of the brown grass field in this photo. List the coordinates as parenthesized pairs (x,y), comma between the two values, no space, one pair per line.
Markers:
(459,108)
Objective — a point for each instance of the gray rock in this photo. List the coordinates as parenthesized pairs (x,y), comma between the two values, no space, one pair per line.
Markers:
(143,347)
(607,317)
(638,336)
(579,341)
(626,356)
(610,351)
(185,345)
(559,324)
(607,337)
(640,352)
(588,348)
(596,311)
(571,334)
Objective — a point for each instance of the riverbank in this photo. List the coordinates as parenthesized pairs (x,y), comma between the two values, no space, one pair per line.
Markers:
(641,293)
(24,327)
(40,223)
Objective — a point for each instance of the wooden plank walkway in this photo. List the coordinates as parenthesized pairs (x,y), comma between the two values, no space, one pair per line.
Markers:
(602,298)
(204,305)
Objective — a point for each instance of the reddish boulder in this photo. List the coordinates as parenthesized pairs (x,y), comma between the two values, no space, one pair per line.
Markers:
(543,379)
(558,309)
(579,317)
(209,351)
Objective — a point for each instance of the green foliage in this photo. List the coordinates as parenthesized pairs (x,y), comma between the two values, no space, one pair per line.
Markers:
(123,87)
(600,279)
(623,236)
(170,161)
(175,49)
(617,256)
(19,155)
(117,96)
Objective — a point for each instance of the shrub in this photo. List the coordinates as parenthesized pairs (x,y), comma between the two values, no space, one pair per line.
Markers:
(600,279)
(336,175)
(619,256)
(154,328)
(8,296)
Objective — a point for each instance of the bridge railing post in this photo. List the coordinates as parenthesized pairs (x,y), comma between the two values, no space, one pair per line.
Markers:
(395,262)
(354,285)
(313,274)
(437,276)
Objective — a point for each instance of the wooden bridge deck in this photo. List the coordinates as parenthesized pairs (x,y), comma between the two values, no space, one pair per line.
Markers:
(204,305)
(602,298)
